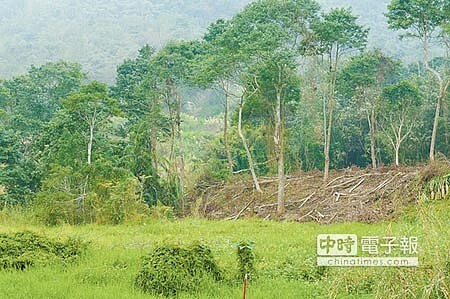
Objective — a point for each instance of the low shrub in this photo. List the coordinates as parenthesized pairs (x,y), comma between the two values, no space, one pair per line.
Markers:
(309,271)
(246,259)
(24,249)
(170,269)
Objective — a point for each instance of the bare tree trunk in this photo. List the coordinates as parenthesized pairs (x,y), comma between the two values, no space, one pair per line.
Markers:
(247,151)
(397,149)
(328,132)
(442,92)
(333,64)
(325,135)
(153,137)
(371,120)
(327,143)
(279,149)
(435,127)
(225,134)
(91,140)
(399,137)
(443,86)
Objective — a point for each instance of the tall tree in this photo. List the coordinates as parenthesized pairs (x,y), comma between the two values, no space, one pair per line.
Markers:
(140,94)
(362,80)
(28,103)
(271,33)
(172,69)
(213,69)
(402,104)
(91,107)
(423,20)
(335,35)
(130,75)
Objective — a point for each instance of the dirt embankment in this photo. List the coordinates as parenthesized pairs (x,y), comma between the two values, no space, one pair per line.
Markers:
(349,195)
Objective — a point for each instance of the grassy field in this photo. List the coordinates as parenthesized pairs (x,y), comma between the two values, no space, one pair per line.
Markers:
(285,258)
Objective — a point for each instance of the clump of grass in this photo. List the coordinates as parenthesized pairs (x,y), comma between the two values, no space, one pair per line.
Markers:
(353,281)
(309,271)
(24,249)
(301,268)
(169,270)
(435,180)
(431,280)
(439,187)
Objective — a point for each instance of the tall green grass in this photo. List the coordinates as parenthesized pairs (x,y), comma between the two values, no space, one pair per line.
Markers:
(285,258)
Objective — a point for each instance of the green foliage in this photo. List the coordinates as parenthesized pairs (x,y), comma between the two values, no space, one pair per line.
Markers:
(19,174)
(285,250)
(305,269)
(246,259)
(401,97)
(24,249)
(338,31)
(35,96)
(28,103)
(420,17)
(98,193)
(169,270)
(364,72)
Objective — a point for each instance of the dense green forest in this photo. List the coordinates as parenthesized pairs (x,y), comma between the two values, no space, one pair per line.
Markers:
(287,86)
(100,34)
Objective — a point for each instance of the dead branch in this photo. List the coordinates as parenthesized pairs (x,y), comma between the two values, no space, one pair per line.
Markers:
(267,205)
(309,214)
(338,195)
(305,200)
(356,186)
(383,184)
(243,209)
(332,218)
(343,184)
(336,179)
(288,203)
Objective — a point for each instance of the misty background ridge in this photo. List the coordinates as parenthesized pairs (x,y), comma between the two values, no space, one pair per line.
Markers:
(101,34)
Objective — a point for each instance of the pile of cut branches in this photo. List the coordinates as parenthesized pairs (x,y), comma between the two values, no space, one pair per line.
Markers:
(349,195)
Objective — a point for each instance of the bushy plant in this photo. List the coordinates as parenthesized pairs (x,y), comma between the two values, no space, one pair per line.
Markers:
(99,193)
(169,270)
(24,249)
(309,270)
(246,259)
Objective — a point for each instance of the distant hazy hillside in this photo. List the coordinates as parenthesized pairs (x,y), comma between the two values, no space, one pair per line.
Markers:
(100,34)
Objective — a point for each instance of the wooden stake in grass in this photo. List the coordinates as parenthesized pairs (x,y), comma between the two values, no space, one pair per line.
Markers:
(245,286)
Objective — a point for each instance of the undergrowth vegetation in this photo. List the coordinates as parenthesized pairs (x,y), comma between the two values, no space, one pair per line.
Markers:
(24,249)
(157,259)
(168,270)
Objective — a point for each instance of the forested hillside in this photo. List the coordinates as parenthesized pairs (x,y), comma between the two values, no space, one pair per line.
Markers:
(287,86)
(100,34)
(129,127)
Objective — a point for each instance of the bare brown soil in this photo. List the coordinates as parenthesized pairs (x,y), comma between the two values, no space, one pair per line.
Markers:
(353,194)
